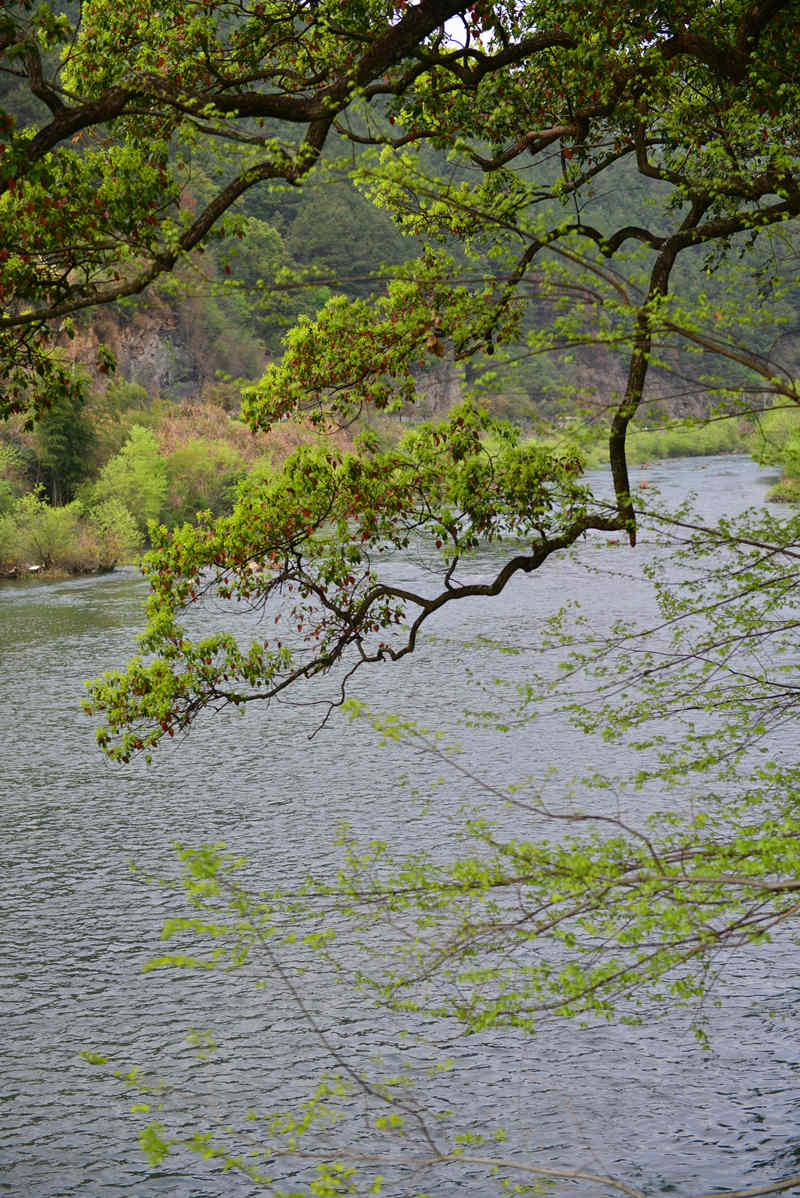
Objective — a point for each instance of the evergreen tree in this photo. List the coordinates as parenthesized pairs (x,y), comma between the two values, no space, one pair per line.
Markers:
(65,439)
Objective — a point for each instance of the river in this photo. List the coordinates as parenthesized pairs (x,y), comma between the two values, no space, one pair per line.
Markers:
(647,1104)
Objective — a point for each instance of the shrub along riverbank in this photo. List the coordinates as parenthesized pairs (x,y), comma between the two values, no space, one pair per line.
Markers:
(776,442)
(36,537)
(79,491)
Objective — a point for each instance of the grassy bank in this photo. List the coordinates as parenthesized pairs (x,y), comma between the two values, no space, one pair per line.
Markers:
(776,442)
(679,440)
(684,440)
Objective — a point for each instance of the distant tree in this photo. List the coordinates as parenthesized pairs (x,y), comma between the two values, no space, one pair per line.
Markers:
(11,473)
(113,412)
(115,532)
(43,535)
(201,476)
(136,477)
(776,442)
(65,440)
(122,396)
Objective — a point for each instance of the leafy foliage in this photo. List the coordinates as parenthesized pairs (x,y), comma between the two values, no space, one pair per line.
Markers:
(439,480)
(68,538)
(538,107)
(201,476)
(776,442)
(136,476)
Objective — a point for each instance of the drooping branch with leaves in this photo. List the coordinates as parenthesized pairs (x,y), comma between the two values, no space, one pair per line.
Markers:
(304,552)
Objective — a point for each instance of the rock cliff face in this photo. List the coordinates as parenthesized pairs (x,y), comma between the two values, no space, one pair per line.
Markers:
(158,357)
(151,349)
(171,352)
(174,355)
(440,387)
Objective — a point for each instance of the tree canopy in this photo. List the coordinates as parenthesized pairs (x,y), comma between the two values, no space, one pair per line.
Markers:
(533,110)
(105,112)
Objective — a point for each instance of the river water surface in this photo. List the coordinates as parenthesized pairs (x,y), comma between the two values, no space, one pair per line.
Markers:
(646,1104)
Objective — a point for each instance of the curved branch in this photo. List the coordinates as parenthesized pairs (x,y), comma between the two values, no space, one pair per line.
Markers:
(523,563)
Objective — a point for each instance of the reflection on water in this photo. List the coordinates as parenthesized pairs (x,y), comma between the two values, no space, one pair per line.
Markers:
(647,1104)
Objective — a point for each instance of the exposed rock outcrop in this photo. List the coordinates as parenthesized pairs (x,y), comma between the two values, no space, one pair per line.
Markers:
(171,352)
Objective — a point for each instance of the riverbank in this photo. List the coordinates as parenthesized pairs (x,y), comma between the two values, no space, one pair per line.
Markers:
(729,435)
(785,491)
(42,541)
(51,574)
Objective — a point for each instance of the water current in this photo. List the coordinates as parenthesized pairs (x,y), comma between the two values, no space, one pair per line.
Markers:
(647,1104)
